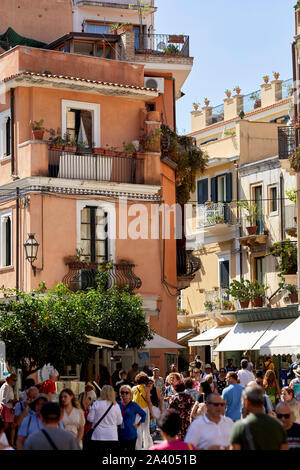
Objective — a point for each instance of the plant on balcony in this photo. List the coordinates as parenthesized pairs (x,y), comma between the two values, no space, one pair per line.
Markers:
(206,101)
(294,160)
(228,93)
(266,78)
(251,212)
(286,251)
(129,148)
(276,75)
(291,195)
(38,129)
(216,219)
(98,150)
(114,28)
(256,98)
(241,291)
(190,160)
(83,147)
(230,132)
(237,89)
(196,106)
(208,305)
(172,49)
(227,305)
(297,6)
(258,293)
(70,143)
(143,8)
(293,293)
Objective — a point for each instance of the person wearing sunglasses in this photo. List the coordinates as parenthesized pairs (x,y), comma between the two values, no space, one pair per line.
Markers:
(286,416)
(212,430)
(133,417)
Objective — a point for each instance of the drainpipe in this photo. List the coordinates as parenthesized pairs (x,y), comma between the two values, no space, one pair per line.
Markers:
(12,129)
(281,208)
(296,94)
(174,102)
(17,236)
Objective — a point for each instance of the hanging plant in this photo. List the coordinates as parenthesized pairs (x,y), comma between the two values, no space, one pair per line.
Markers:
(189,158)
(286,251)
(294,160)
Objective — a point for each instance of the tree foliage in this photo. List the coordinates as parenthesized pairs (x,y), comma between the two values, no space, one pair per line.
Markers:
(42,327)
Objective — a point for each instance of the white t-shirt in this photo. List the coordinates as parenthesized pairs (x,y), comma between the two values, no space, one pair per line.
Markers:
(107,430)
(204,433)
(245,377)
(6,394)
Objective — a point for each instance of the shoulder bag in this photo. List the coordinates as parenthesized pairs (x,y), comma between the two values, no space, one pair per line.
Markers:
(87,438)
(54,447)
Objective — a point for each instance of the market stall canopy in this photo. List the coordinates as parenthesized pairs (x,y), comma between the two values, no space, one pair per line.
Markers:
(208,337)
(286,342)
(104,343)
(252,335)
(158,342)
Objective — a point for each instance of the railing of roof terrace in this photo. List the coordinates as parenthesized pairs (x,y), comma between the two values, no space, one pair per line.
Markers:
(252,101)
(163,44)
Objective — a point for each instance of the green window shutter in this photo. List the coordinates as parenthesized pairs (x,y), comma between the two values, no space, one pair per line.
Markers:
(214,190)
(228,187)
(202,191)
(224,274)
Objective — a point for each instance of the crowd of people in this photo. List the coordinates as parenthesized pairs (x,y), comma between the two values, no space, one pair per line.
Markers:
(236,408)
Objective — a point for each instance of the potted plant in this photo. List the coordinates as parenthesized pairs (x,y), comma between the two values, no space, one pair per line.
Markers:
(82,147)
(297,6)
(293,293)
(266,78)
(228,93)
(276,75)
(206,102)
(252,213)
(38,129)
(258,293)
(70,144)
(219,219)
(286,251)
(257,100)
(172,49)
(58,143)
(237,89)
(227,305)
(98,150)
(208,305)
(110,150)
(126,26)
(196,106)
(241,291)
(113,29)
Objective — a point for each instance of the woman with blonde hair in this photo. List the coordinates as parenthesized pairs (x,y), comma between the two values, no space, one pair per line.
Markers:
(105,416)
(271,387)
(133,417)
(72,415)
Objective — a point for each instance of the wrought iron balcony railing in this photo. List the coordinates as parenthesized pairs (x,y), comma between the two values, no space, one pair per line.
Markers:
(187,263)
(217,300)
(95,167)
(286,141)
(82,275)
(209,215)
(163,44)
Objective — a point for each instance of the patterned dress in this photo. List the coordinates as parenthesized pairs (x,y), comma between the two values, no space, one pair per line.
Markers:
(183,403)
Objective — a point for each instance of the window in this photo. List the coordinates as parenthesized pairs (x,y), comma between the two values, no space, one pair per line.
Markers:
(224,274)
(93,234)
(273,199)
(202,191)
(259,269)
(5,141)
(6,239)
(82,120)
(84,48)
(221,188)
(97,28)
(105,50)
(257,192)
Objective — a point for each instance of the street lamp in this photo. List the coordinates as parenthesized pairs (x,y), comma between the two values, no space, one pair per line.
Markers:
(31,249)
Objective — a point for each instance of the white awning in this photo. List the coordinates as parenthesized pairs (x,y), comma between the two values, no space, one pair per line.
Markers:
(207,338)
(158,342)
(183,336)
(105,343)
(286,342)
(252,335)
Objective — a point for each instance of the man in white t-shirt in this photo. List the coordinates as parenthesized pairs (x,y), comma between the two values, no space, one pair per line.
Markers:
(212,430)
(244,374)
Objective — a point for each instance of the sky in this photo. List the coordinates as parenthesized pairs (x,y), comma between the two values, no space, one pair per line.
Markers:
(233,42)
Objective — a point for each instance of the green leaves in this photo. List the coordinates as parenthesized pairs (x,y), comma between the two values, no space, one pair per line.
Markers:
(40,328)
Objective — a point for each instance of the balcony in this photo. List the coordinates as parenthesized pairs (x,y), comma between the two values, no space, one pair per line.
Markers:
(82,275)
(217,300)
(187,266)
(163,44)
(286,141)
(253,237)
(216,220)
(95,167)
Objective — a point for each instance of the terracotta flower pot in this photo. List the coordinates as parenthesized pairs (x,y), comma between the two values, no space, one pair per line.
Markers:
(38,134)
(294,297)
(244,303)
(99,150)
(258,302)
(70,148)
(252,230)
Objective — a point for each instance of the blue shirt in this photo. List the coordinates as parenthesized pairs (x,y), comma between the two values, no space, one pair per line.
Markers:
(129,412)
(32,423)
(20,407)
(233,397)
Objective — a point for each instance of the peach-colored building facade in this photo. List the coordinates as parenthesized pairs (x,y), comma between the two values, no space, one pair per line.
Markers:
(74,200)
